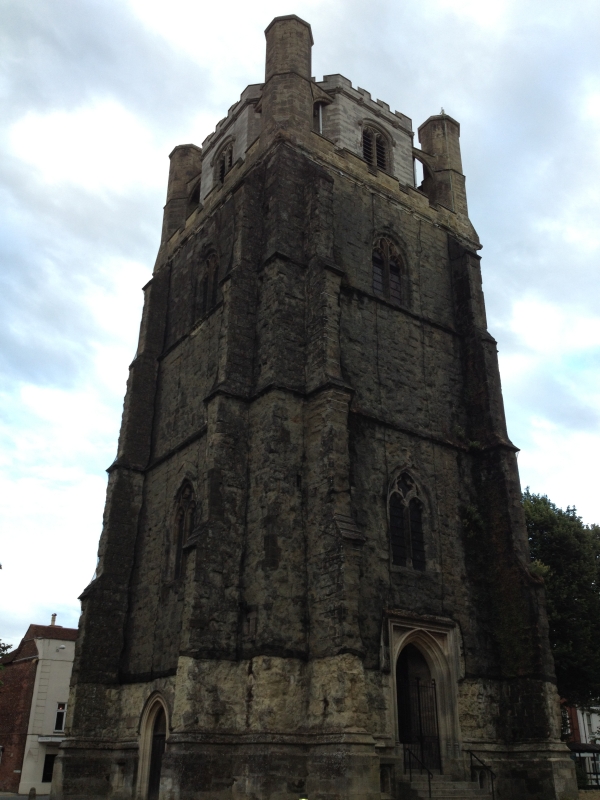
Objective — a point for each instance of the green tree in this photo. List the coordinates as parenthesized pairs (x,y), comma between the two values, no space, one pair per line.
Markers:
(567,554)
(4,649)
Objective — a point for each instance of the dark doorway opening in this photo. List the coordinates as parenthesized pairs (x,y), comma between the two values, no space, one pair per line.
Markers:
(49,760)
(417,709)
(159,735)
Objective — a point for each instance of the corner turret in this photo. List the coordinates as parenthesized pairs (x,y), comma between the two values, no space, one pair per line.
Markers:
(185,166)
(440,140)
(287,102)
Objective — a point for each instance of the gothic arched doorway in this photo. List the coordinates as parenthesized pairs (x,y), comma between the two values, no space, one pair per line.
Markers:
(417,708)
(157,748)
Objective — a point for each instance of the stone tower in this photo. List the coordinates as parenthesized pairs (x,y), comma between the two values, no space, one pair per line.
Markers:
(313,575)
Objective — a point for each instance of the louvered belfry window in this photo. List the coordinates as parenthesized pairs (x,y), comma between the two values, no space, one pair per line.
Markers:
(375,148)
(389,272)
(225,161)
(405,509)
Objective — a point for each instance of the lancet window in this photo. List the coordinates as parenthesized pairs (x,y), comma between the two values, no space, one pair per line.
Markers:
(224,161)
(194,199)
(405,510)
(182,527)
(375,148)
(389,272)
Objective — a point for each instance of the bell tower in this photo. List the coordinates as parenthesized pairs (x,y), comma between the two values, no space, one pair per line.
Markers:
(313,572)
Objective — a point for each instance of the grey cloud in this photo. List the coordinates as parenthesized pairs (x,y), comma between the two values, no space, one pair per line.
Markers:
(14,624)
(52,244)
(548,397)
(60,53)
(526,155)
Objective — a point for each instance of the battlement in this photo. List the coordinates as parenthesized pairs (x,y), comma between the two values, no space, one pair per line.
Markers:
(332,84)
(250,96)
(292,103)
(338,83)
(344,110)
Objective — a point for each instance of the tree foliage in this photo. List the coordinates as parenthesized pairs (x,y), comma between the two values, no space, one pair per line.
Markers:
(4,648)
(566,553)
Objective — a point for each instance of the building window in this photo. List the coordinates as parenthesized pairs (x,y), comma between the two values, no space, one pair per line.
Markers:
(208,286)
(183,525)
(389,273)
(194,200)
(375,148)
(565,722)
(318,117)
(48,767)
(61,711)
(224,161)
(405,512)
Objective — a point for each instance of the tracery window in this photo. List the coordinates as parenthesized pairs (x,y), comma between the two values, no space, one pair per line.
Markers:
(405,510)
(224,161)
(389,272)
(183,525)
(375,148)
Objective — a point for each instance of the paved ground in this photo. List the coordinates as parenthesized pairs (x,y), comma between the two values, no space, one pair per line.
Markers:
(43,796)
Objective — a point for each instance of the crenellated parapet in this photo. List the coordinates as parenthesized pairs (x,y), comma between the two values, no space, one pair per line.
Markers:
(293,106)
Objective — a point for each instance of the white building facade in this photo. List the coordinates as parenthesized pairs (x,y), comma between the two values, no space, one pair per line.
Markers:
(56,650)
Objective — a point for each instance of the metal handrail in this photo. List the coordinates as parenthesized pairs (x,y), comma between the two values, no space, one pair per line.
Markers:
(486,767)
(423,767)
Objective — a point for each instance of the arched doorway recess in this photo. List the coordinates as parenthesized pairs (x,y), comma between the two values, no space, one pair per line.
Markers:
(416,695)
(153,736)
(157,748)
(435,657)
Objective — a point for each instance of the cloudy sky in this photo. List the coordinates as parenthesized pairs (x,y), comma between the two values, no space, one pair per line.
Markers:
(94,95)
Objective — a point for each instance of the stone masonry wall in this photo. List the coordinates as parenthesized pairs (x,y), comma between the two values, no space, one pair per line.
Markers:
(407,410)
(274,382)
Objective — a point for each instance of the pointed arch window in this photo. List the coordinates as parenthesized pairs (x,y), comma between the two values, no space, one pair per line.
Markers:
(224,161)
(183,525)
(207,291)
(375,148)
(194,199)
(405,514)
(389,272)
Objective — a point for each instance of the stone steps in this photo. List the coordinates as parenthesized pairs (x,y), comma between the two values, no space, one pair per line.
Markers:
(443,789)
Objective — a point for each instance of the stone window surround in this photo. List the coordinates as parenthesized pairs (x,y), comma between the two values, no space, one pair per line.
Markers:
(180,530)
(388,143)
(427,519)
(153,705)
(382,242)
(226,146)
